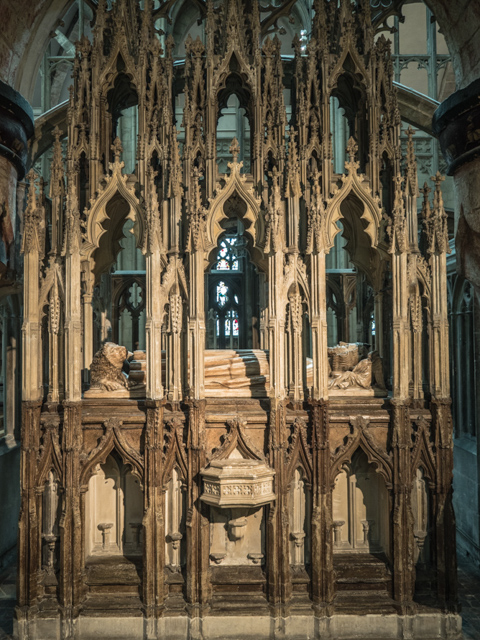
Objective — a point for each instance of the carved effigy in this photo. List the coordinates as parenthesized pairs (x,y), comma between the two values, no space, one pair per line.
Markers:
(353,375)
(240,373)
(108,375)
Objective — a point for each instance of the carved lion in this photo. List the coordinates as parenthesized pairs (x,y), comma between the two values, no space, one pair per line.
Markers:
(106,370)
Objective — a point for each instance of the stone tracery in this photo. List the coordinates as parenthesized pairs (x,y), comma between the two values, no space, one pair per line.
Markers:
(294,200)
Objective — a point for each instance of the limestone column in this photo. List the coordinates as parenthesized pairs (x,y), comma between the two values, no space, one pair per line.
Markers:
(155,300)
(402,522)
(196,302)
(438,247)
(154,591)
(318,290)
(322,543)
(277,302)
(31,328)
(296,350)
(173,357)
(88,281)
(401,329)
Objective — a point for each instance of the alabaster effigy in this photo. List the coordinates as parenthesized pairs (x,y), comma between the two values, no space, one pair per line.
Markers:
(352,375)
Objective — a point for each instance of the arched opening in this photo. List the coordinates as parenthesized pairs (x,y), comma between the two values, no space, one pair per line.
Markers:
(233,123)
(114,511)
(233,296)
(423,533)
(360,508)
(122,100)
(354,309)
(119,268)
(51,513)
(339,129)
(175,522)
(348,106)
(299,498)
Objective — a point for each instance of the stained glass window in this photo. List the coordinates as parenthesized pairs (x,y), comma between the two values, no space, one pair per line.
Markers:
(231,324)
(222,293)
(227,256)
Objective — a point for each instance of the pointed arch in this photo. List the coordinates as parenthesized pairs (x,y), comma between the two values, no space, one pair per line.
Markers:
(234,183)
(422,453)
(51,458)
(113,439)
(175,453)
(117,183)
(299,452)
(361,438)
(372,210)
(236,438)
(340,69)
(53,278)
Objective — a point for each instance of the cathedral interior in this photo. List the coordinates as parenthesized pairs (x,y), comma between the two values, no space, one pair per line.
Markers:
(239,291)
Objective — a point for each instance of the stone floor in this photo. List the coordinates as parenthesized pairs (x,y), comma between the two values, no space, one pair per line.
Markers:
(469,593)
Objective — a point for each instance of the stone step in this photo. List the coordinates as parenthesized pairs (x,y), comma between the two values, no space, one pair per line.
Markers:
(129,604)
(362,572)
(360,601)
(244,604)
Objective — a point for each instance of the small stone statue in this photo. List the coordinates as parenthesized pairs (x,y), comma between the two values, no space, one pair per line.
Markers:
(106,370)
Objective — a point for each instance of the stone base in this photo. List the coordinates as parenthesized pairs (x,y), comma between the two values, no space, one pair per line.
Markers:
(134,392)
(423,626)
(371,392)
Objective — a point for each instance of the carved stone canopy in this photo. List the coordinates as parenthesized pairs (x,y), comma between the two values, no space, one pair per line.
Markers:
(237,482)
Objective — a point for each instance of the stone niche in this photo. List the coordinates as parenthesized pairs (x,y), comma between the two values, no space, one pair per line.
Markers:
(113,511)
(237,489)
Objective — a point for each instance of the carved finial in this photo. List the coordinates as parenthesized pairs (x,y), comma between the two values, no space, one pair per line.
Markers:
(398,202)
(410,146)
(439,240)
(234,149)
(352,148)
(32,193)
(411,179)
(397,230)
(437,180)
(117,149)
(426,211)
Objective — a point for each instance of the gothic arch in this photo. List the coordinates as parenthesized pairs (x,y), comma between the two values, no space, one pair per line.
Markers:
(51,457)
(236,438)
(113,439)
(361,438)
(117,183)
(174,456)
(234,183)
(340,69)
(423,456)
(299,452)
(358,185)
